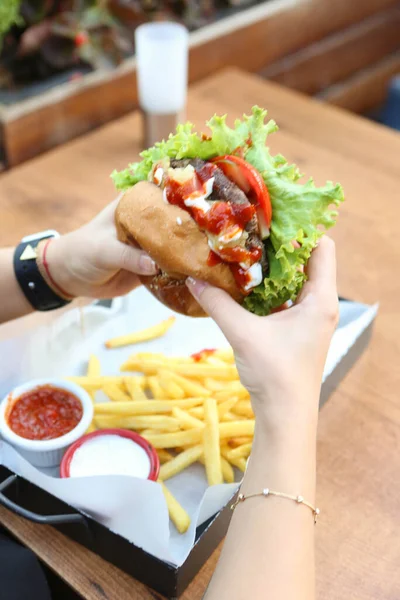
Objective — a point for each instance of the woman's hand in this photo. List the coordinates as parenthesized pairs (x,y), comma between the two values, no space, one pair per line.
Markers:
(280,360)
(93,263)
(281,357)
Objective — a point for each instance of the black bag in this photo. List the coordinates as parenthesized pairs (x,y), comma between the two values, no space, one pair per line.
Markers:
(21,576)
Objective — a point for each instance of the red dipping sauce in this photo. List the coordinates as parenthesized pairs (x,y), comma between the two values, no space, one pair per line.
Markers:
(197,356)
(45,413)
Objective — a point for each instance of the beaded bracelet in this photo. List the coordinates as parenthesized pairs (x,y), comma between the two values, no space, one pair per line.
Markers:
(267,492)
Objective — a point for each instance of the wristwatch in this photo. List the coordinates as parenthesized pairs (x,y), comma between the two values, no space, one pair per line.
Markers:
(31,281)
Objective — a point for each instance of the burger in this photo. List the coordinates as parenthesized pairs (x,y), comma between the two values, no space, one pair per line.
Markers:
(221,208)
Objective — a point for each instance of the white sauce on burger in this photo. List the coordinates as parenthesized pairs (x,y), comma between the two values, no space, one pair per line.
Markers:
(158,175)
(254,275)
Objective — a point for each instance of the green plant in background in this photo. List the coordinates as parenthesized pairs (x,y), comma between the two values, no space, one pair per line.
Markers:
(43,38)
(9,15)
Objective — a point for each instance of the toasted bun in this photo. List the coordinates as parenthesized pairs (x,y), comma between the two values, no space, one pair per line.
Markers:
(173,240)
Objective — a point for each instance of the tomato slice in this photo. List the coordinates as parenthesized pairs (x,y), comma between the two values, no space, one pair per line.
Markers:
(249,180)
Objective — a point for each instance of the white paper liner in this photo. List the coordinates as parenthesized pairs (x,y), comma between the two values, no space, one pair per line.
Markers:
(131,507)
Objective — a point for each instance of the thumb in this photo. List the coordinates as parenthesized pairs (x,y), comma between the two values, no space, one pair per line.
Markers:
(122,256)
(227,313)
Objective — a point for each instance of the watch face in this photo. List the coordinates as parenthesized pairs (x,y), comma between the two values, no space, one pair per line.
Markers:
(42,235)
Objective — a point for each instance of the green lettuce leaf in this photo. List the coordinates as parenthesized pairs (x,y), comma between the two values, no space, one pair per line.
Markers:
(300,211)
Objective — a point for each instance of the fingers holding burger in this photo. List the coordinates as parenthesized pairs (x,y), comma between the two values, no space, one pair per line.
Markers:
(176,244)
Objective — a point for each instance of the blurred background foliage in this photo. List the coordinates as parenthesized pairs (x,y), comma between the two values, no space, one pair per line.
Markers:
(41,38)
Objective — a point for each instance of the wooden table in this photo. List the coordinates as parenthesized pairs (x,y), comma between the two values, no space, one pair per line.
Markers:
(358,547)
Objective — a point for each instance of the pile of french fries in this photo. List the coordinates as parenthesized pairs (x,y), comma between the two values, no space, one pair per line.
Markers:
(191,409)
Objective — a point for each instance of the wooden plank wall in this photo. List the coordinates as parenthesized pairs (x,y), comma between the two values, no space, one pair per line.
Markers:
(297,25)
(350,68)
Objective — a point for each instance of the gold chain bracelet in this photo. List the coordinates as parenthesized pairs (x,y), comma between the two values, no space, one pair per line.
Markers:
(267,492)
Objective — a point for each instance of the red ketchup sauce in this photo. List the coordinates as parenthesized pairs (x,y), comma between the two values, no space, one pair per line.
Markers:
(45,413)
(222,216)
(213,259)
(198,356)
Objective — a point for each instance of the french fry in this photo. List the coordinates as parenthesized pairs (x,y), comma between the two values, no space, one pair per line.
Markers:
(223,411)
(114,392)
(233,388)
(163,455)
(160,356)
(191,388)
(199,370)
(225,355)
(94,367)
(148,366)
(177,513)
(235,442)
(145,407)
(180,462)
(212,456)
(145,432)
(242,451)
(155,388)
(227,471)
(134,388)
(213,385)
(237,386)
(170,387)
(226,406)
(151,364)
(96,382)
(230,416)
(186,421)
(178,359)
(150,333)
(197,412)
(196,370)
(244,409)
(240,463)
(223,395)
(236,428)
(157,422)
(213,360)
(176,440)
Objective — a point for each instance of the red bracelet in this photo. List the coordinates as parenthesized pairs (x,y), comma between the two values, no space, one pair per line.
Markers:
(46,268)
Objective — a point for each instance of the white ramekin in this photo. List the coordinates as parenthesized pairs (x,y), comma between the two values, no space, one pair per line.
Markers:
(46,453)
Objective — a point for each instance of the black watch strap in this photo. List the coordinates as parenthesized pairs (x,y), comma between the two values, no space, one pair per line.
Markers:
(34,286)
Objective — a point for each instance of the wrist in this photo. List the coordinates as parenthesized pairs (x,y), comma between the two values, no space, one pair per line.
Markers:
(286,439)
(289,412)
(53,265)
(283,460)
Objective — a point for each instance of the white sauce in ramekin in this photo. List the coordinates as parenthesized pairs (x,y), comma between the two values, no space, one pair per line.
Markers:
(110,455)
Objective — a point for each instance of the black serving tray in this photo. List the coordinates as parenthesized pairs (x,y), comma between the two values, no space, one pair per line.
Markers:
(33,503)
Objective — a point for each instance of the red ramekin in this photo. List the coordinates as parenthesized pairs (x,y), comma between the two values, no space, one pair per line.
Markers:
(130,435)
